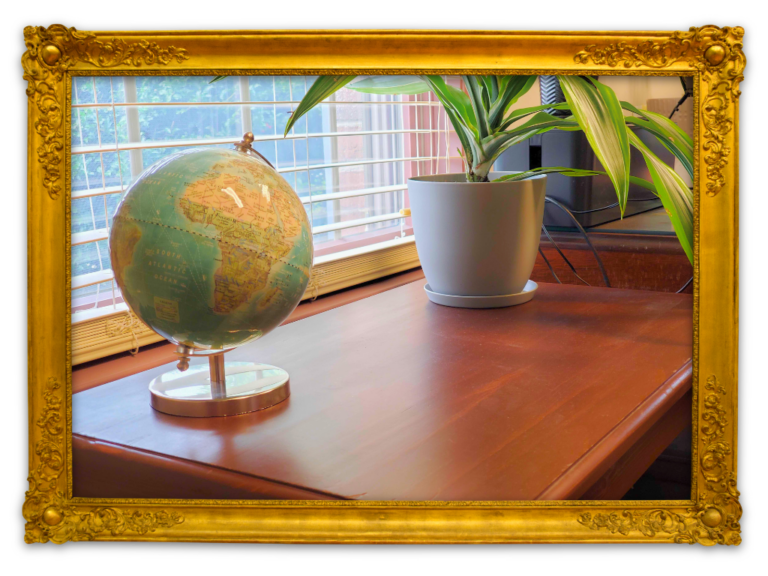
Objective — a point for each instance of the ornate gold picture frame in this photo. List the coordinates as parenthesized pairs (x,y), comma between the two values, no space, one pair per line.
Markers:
(711,55)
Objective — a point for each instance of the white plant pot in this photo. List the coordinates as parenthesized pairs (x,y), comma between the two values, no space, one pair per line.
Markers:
(477,241)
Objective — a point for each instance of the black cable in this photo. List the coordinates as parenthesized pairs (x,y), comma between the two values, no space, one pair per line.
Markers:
(612,205)
(686,94)
(596,209)
(544,228)
(686,285)
(583,233)
(549,265)
(680,103)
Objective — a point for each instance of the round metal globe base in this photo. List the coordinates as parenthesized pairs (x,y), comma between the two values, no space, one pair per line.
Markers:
(201,392)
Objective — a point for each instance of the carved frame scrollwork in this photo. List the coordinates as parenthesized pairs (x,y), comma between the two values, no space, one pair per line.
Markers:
(714,517)
(51,52)
(715,52)
(713,56)
(49,516)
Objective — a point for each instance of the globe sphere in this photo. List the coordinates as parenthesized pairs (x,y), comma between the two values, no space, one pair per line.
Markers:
(211,248)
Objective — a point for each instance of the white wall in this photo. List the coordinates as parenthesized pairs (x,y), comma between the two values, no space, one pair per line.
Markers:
(638,89)
(530,98)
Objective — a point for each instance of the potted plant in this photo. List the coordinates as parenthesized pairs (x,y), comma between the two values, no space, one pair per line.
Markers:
(477,233)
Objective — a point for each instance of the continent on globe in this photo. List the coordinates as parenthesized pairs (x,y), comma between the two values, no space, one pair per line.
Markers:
(211,248)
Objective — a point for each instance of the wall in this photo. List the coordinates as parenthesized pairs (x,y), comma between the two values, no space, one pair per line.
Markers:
(638,89)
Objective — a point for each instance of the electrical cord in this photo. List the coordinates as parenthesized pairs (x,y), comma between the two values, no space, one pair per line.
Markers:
(584,234)
(686,285)
(544,229)
(614,205)
(546,261)
(687,93)
(599,260)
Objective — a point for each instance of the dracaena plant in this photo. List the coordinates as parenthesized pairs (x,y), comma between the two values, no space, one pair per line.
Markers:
(487,124)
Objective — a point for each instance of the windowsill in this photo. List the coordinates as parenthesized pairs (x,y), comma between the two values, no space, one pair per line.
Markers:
(104,370)
(357,251)
(372,239)
(105,331)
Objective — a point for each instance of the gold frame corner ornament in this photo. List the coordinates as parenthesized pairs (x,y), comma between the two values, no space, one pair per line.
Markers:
(48,513)
(50,53)
(713,56)
(717,53)
(714,518)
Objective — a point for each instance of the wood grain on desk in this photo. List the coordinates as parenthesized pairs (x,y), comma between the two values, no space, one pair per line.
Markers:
(98,372)
(394,397)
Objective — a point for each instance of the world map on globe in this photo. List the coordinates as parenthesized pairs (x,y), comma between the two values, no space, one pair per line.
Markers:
(211,248)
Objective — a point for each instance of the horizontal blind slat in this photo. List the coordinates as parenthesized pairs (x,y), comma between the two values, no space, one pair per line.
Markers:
(255,103)
(357,222)
(111,147)
(89,236)
(353,193)
(85,280)
(87,193)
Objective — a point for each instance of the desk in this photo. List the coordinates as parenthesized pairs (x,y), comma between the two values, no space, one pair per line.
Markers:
(571,395)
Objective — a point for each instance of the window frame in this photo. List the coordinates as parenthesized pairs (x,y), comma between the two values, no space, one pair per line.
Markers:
(110,327)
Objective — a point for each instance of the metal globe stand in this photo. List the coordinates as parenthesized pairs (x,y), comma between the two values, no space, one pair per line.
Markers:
(219,389)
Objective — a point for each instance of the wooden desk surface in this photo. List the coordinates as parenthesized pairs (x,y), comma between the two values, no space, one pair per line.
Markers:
(394,397)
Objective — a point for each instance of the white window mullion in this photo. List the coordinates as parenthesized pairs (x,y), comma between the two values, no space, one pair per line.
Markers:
(134,127)
(245,110)
(309,175)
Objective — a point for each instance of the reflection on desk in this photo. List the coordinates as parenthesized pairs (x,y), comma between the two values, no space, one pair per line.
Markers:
(640,252)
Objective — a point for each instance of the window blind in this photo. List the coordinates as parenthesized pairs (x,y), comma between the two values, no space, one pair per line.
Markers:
(349,159)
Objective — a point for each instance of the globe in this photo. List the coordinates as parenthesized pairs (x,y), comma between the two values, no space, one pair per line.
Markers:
(211,248)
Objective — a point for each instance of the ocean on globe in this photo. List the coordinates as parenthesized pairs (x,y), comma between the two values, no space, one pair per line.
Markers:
(211,248)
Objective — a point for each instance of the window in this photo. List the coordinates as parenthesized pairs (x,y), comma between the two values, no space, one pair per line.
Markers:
(348,160)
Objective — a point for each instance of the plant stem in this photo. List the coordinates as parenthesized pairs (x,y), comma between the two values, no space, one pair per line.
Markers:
(472,177)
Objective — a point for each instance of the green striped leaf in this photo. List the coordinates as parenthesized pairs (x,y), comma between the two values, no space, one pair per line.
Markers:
(572,172)
(511,88)
(523,112)
(667,132)
(493,146)
(395,85)
(323,87)
(480,102)
(459,110)
(675,196)
(598,112)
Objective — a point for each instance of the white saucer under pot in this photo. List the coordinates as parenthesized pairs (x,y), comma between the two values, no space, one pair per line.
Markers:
(483,301)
